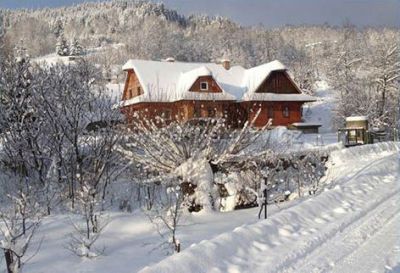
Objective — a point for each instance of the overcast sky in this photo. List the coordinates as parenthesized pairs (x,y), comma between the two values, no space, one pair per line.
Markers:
(270,12)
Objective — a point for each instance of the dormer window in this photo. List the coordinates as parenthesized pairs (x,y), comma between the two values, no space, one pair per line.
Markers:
(204,86)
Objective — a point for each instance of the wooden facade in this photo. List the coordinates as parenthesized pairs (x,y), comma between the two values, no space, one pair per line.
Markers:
(278,82)
(132,87)
(236,113)
(205,84)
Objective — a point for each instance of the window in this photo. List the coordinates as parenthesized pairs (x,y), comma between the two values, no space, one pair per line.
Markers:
(211,112)
(166,114)
(285,111)
(204,86)
(130,93)
(197,111)
(139,91)
(276,83)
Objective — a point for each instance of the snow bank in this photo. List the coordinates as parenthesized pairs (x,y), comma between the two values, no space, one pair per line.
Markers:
(344,164)
(288,237)
(364,152)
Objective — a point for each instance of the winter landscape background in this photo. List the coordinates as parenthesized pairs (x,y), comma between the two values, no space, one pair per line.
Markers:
(79,192)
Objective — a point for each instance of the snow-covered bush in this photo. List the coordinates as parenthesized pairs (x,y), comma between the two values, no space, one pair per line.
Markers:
(88,229)
(187,150)
(17,228)
(166,218)
(60,129)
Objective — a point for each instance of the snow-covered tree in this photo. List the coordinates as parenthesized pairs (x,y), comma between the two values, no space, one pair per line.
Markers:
(16,232)
(58,28)
(166,218)
(62,47)
(75,49)
(89,228)
(385,65)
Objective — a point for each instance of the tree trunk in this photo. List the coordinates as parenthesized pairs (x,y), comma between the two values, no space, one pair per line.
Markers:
(9,260)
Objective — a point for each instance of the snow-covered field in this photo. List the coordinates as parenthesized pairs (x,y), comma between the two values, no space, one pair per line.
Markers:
(351,226)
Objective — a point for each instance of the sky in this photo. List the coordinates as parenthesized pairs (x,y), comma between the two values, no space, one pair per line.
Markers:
(269,12)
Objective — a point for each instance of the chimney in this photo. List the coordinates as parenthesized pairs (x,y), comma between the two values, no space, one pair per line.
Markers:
(226,63)
(170,60)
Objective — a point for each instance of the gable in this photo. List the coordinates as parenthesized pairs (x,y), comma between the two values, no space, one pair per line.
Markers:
(132,87)
(212,86)
(278,82)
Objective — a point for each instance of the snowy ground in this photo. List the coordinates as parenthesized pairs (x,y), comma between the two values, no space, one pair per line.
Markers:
(339,230)
(321,110)
(131,241)
(352,226)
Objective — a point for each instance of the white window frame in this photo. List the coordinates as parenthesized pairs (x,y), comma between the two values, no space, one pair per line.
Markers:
(204,89)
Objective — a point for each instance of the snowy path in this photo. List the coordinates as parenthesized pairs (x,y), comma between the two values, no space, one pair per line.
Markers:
(339,230)
(382,250)
(358,238)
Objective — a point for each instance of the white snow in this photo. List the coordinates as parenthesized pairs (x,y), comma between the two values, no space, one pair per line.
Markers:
(351,225)
(314,236)
(198,172)
(357,118)
(52,59)
(171,81)
(320,112)
(278,97)
(300,124)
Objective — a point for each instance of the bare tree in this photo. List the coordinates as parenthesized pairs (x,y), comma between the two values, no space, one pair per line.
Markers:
(17,229)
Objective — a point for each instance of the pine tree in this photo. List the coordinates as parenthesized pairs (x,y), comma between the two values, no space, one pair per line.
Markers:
(62,47)
(75,48)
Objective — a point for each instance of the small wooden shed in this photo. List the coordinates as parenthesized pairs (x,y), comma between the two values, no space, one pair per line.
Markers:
(355,132)
(305,127)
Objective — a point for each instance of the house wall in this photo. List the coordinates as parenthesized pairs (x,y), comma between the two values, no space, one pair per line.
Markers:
(274,110)
(236,114)
(180,111)
(212,85)
(278,82)
(132,87)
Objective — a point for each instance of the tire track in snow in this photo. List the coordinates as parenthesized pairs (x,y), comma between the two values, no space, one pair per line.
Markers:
(324,257)
(357,212)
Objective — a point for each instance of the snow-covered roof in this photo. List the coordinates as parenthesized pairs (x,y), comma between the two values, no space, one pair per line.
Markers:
(306,124)
(357,118)
(171,81)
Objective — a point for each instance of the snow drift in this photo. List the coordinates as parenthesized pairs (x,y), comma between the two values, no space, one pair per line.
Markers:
(283,241)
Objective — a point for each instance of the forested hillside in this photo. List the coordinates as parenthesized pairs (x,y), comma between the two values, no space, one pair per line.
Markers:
(360,63)
(68,161)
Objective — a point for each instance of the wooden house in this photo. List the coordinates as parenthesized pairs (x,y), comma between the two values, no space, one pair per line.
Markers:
(184,91)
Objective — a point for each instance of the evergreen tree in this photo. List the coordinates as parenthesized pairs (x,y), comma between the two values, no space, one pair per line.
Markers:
(75,48)
(62,47)
(58,28)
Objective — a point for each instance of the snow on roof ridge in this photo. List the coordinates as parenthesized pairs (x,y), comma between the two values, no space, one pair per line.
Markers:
(170,81)
(256,75)
(356,118)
